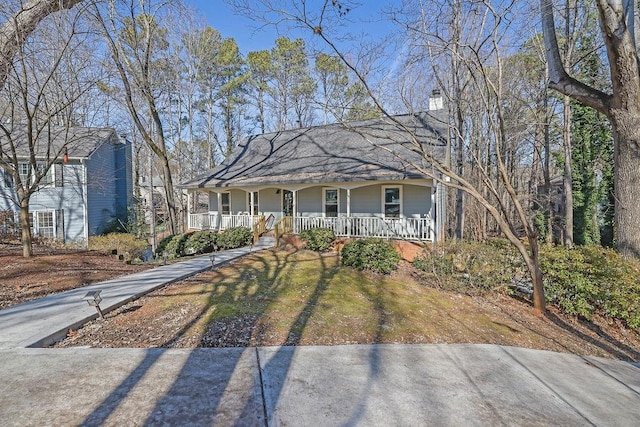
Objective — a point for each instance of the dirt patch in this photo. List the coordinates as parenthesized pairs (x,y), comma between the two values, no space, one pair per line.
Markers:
(53,270)
(301,298)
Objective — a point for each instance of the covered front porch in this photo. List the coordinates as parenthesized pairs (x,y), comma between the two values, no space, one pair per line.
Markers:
(397,210)
(391,228)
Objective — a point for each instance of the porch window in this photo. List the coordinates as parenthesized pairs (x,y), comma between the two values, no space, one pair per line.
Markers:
(330,202)
(225,203)
(392,202)
(255,202)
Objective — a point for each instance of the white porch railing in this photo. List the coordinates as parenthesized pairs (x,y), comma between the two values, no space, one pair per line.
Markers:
(387,228)
(211,221)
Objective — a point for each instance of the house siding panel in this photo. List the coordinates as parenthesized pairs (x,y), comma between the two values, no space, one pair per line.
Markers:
(310,202)
(101,188)
(366,201)
(416,201)
(239,201)
(270,202)
(123,178)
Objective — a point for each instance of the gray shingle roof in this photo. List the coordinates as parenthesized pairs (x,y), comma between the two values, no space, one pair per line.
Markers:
(80,142)
(376,149)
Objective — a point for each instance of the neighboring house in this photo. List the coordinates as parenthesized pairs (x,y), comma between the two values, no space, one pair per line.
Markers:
(157,189)
(360,179)
(84,191)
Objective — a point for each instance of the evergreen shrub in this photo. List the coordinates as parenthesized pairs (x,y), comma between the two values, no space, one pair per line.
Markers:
(200,242)
(318,239)
(235,237)
(370,254)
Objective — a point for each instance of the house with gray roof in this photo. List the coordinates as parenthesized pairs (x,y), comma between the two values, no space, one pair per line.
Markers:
(368,178)
(88,186)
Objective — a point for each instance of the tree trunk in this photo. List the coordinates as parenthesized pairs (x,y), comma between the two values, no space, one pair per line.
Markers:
(533,265)
(627,180)
(27,248)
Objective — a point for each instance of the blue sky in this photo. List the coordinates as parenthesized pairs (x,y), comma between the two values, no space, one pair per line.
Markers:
(249,37)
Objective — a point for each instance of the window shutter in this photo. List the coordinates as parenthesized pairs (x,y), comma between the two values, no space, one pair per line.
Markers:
(58,170)
(60,224)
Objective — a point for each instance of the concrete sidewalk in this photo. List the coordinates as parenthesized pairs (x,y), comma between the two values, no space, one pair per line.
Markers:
(385,385)
(43,321)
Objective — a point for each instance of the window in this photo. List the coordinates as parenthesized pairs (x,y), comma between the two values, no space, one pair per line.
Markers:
(255,202)
(8,179)
(23,171)
(225,203)
(27,178)
(392,202)
(43,224)
(47,178)
(330,202)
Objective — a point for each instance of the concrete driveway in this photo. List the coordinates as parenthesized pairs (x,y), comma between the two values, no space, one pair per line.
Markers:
(380,385)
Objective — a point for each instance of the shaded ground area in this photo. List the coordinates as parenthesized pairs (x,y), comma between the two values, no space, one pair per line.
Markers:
(277,298)
(53,270)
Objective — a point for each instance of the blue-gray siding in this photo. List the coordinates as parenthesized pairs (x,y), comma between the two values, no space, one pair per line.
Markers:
(365,201)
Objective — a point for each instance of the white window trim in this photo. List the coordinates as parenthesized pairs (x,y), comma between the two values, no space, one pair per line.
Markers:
(383,205)
(36,222)
(324,200)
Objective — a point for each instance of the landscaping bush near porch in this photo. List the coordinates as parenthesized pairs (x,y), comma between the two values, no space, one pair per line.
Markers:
(370,254)
(318,239)
(235,237)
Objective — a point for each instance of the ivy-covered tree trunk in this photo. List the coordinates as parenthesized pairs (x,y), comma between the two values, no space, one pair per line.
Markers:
(617,20)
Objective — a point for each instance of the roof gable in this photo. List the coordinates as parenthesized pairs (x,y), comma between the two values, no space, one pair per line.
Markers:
(376,149)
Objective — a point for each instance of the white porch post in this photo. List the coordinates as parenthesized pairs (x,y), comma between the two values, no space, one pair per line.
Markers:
(189,196)
(294,209)
(251,203)
(219,196)
(348,212)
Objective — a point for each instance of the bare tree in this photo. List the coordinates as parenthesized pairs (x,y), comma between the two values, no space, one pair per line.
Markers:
(618,20)
(134,39)
(15,30)
(49,73)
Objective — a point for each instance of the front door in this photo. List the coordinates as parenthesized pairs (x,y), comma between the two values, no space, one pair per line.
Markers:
(287,203)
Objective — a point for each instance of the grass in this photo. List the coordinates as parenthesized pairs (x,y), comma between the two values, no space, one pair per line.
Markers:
(303,298)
